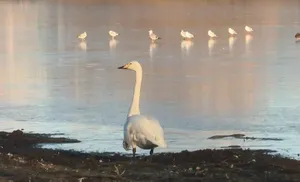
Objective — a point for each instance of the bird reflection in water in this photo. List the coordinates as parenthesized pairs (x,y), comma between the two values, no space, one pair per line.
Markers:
(231,42)
(211,44)
(113,43)
(152,49)
(248,40)
(83,45)
(186,45)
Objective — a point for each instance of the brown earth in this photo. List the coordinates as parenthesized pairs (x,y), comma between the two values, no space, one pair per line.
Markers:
(22,160)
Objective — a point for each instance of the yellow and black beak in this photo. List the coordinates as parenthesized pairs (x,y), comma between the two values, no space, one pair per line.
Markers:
(123,67)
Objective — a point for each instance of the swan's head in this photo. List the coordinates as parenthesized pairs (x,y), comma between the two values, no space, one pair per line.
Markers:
(133,65)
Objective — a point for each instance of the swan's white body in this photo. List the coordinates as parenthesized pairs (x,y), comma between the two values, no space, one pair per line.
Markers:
(231,31)
(186,35)
(248,29)
(139,130)
(144,132)
(211,34)
(113,34)
(82,36)
(152,36)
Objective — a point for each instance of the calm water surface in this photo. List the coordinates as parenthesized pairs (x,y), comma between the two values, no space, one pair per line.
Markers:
(50,82)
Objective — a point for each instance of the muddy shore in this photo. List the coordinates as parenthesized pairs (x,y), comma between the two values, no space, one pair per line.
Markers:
(22,160)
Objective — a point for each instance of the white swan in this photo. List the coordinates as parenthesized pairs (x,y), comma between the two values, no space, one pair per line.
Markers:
(139,130)
(248,29)
(231,31)
(152,36)
(113,34)
(211,34)
(82,36)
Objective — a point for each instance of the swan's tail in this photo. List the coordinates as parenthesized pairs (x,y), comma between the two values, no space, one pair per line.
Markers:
(163,145)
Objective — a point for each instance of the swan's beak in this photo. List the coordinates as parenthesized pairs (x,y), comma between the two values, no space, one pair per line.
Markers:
(123,67)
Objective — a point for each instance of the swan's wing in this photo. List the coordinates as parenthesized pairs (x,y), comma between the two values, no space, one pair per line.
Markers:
(144,129)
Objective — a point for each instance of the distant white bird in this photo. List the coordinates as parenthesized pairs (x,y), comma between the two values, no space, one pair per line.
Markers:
(152,36)
(211,34)
(186,34)
(113,34)
(82,36)
(140,130)
(231,31)
(248,29)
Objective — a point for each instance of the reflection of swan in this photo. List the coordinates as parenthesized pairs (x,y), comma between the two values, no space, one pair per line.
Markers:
(186,45)
(231,32)
(82,36)
(211,43)
(113,43)
(139,130)
(152,49)
(82,45)
(231,41)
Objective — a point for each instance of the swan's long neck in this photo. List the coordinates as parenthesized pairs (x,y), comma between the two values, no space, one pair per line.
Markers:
(135,105)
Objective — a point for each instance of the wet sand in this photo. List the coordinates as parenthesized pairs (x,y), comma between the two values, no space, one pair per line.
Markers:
(22,160)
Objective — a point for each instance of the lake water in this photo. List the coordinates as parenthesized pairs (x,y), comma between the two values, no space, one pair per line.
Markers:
(52,83)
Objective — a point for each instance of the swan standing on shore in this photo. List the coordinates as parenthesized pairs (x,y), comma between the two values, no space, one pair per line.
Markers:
(82,36)
(139,130)
(113,34)
(152,36)
(231,32)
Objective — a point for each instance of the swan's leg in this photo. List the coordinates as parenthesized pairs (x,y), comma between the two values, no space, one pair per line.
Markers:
(133,152)
(150,157)
(151,151)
